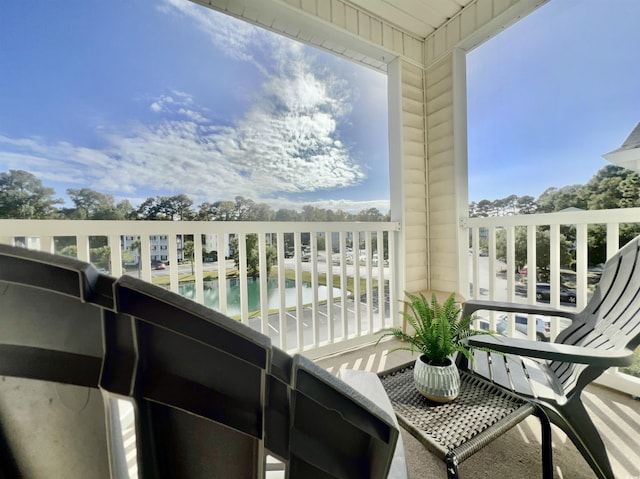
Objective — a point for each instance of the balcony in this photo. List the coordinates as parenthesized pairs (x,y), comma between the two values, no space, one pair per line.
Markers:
(517,453)
(338,328)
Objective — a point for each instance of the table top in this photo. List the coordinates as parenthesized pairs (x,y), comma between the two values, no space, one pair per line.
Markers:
(481,412)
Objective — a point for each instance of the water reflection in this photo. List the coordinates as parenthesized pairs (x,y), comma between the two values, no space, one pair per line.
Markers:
(212,294)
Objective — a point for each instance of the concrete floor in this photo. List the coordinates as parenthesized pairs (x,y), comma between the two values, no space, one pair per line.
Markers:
(516,454)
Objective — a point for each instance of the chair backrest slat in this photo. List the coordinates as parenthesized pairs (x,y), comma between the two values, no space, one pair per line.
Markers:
(611,320)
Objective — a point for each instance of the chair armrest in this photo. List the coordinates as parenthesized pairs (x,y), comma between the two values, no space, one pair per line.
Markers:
(553,351)
(473,305)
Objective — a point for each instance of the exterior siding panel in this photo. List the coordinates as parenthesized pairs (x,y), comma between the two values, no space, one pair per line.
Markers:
(443,240)
(414,187)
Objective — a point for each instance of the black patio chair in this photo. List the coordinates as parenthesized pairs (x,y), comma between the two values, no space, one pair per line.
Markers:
(211,397)
(553,375)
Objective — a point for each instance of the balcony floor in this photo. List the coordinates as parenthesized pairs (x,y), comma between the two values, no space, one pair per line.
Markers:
(517,453)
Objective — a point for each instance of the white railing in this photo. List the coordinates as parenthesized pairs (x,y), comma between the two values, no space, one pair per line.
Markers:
(349,256)
(498,280)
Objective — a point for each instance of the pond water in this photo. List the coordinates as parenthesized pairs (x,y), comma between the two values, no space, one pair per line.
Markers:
(212,294)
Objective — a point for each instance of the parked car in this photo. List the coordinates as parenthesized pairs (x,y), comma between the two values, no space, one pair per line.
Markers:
(501,327)
(543,293)
(543,325)
(486,326)
(159,266)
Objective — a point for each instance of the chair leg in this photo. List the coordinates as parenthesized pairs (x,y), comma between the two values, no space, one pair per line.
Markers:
(547,446)
(575,421)
(452,466)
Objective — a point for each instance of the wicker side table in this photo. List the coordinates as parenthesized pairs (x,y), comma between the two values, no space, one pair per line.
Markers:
(456,430)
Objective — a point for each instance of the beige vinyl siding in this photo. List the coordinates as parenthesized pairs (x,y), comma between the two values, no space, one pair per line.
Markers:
(414,175)
(443,234)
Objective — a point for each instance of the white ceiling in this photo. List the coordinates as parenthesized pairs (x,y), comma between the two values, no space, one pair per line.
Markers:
(418,17)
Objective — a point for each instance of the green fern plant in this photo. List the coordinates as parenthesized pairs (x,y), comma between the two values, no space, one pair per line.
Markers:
(439,329)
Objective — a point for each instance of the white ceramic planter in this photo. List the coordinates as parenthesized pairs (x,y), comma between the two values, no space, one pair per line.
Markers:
(437,383)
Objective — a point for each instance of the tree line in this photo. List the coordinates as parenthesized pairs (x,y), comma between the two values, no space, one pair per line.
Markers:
(611,187)
(24,196)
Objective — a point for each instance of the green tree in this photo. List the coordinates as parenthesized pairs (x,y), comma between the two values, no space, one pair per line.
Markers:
(100,257)
(179,208)
(218,211)
(23,196)
(135,248)
(311,213)
(261,212)
(630,191)
(253,257)
(543,252)
(603,189)
(188,251)
(287,215)
(526,205)
(168,208)
(127,257)
(483,208)
(92,205)
(557,199)
(372,214)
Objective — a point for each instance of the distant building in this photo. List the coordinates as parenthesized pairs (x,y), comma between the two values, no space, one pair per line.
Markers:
(159,246)
(628,155)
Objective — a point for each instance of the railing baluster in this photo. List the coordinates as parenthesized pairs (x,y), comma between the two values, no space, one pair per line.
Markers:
(242,260)
(369,282)
(381,287)
(554,275)
(475,241)
(356,282)
(197,267)
(222,274)
(115,263)
(613,239)
(582,257)
(393,268)
(344,300)
(297,257)
(82,247)
(282,324)
(173,263)
(264,299)
(329,271)
(491,245)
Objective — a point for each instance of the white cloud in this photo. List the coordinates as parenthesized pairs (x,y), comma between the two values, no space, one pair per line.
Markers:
(288,142)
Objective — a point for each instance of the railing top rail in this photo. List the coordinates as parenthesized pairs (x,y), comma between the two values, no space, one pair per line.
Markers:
(618,215)
(107,227)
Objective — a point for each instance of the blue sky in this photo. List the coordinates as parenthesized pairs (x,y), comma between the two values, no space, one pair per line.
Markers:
(550,95)
(140,98)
